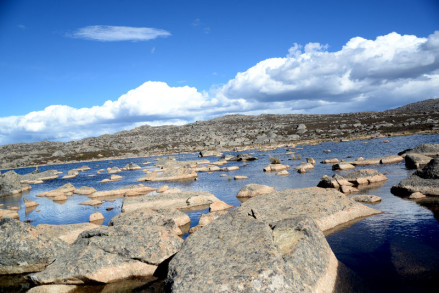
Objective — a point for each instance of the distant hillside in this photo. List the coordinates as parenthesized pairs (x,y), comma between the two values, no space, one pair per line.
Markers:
(227,133)
(422,106)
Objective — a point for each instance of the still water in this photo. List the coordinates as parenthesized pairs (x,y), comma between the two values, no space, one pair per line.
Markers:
(396,251)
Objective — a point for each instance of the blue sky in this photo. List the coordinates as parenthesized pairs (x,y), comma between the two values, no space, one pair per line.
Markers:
(70,69)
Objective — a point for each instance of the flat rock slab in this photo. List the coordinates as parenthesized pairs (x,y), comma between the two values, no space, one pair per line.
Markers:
(365,198)
(328,207)
(148,217)
(83,264)
(126,191)
(415,161)
(240,253)
(251,190)
(92,202)
(4,213)
(170,175)
(67,233)
(62,190)
(24,249)
(109,254)
(183,200)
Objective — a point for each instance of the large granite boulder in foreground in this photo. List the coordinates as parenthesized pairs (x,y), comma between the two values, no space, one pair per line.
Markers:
(110,254)
(10,184)
(425,181)
(24,249)
(272,243)
(328,207)
(240,253)
(182,200)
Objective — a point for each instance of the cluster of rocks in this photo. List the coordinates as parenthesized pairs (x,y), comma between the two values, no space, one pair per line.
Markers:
(213,136)
(353,181)
(274,242)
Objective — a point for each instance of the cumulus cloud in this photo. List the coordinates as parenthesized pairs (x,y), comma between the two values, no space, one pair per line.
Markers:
(364,75)
(106,33)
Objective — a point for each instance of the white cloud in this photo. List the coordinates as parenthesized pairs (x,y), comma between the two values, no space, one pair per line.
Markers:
(365,75)
(106,33)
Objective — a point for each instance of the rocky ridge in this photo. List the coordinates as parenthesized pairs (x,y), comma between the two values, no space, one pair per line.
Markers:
(226,133)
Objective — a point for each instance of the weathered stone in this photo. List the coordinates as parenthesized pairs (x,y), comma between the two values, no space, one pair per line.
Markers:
(147,217)
(416,161)
(162,189)
(327,207)
(10,184)
(173,174)
(113,170)
(365,176)
(330,161)
(9,214)
(67,233)
(207,169)
(219,206)
(251,190)
(367,198)
(62,190)
(275,167)
(83,168)
(416,195)
(342,166)
(428,149)
(366,162)
(231,168)
(24,249)
(84,190)
(43,176)
(206,219)
(283,172)
(305,166)
(240,253)
(183,200)
(425,181)
(53,289)
(131,166)
(83,264)
(92,202)
(115,177)
(71,174)
(172,190)
(311,161)
(126,191)
(30,203)
(203,154)
(240,177)
(391,159)
(59,198)
(96,218)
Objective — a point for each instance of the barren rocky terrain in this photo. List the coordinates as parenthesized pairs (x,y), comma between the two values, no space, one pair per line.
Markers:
(228,132)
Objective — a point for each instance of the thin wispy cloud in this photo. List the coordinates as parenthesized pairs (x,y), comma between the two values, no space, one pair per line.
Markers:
(106,33)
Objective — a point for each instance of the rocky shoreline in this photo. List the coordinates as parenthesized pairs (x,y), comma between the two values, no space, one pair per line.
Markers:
(227,133)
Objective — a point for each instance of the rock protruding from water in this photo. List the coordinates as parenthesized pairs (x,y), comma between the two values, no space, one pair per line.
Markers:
(425,181)
(353,181)
(131,166)
(420,155)
(252,190)
(241,253)
(125,191)
(24,249)
(40,176)
(182,200)
(10,184)
(171,174)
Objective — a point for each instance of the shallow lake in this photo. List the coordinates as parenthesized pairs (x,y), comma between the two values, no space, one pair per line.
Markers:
(396,251)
